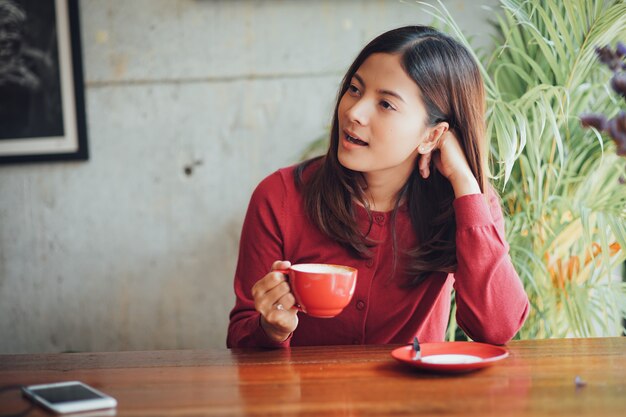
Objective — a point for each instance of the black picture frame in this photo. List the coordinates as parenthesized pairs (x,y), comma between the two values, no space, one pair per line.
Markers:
(42,100)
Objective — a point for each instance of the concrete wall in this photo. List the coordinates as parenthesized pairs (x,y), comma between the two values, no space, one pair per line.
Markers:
(127,251)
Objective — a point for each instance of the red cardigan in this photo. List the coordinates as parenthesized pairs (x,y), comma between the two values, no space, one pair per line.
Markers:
(491,302)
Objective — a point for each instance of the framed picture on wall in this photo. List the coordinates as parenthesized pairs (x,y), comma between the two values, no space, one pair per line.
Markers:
(42,106)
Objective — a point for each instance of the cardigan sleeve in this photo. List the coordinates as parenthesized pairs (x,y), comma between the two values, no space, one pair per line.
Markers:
(491,302)
(260,245)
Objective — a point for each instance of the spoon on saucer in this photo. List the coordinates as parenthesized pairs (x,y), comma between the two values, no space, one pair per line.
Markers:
(417,354)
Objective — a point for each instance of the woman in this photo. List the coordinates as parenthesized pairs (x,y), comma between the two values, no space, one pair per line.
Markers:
(402,196)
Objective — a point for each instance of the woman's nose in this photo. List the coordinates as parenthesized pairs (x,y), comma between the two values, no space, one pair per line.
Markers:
(359,112)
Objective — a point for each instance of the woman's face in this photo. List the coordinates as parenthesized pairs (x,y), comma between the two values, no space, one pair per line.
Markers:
(381,119)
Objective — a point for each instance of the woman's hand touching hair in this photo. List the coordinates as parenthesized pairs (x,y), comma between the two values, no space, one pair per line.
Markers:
(450,161)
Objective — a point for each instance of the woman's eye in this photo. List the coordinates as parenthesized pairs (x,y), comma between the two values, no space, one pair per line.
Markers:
(385,105)
(353,89)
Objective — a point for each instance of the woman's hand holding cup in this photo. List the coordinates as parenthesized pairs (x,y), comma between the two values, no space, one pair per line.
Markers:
(319,290)
(274,300)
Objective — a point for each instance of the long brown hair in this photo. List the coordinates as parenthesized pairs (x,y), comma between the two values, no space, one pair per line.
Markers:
(452,91)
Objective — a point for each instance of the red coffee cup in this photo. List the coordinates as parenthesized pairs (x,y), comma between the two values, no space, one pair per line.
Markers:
(322,290)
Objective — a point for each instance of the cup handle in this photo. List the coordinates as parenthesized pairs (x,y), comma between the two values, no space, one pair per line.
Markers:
(286,273)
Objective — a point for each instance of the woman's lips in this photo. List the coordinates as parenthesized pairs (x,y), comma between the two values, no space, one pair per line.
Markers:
(352,138)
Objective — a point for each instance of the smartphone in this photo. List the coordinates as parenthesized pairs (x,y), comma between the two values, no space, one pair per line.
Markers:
(69,397)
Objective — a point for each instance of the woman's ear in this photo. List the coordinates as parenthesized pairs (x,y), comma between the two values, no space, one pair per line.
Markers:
(433,135)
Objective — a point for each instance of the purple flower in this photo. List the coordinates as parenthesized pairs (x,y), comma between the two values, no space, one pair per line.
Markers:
(610,58)
(618,82)
(617,129)
(594,120)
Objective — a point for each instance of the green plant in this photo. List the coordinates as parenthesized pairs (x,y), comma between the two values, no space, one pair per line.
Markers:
(565,206)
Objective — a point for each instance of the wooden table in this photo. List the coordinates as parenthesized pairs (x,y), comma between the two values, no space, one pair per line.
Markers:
(537,379)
